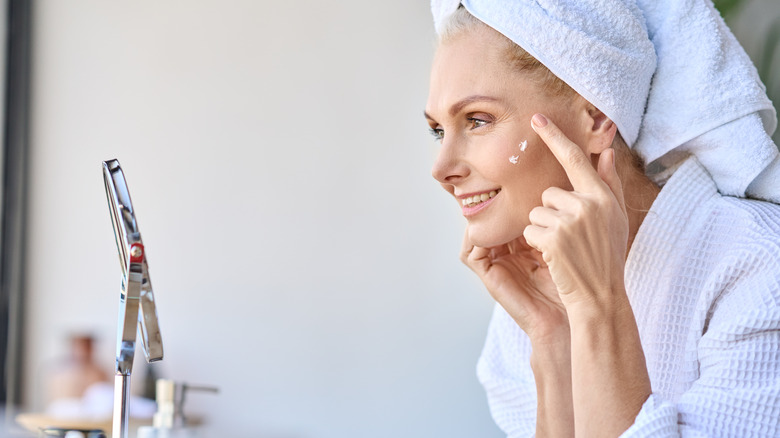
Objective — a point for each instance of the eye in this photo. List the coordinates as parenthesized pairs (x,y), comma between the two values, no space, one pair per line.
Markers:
(477,123)
(437,133)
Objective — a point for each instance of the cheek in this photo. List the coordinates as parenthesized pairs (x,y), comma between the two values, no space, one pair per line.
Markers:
(517,152)
(499,160)
(536,170)
(544,168)
(521,156)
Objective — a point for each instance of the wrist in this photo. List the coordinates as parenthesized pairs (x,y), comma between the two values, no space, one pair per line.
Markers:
(551,355)
(598,328)
(593,308)
(552,369)
(607,353)
(551,340)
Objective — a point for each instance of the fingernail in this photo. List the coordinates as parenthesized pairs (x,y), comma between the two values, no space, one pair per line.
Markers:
(539,121)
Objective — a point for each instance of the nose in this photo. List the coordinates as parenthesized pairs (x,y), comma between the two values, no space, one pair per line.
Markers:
(450,166)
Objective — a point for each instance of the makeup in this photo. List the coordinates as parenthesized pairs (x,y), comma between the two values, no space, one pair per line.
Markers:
(513,159)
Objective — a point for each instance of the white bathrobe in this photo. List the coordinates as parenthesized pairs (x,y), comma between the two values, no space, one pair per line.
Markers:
(703,278)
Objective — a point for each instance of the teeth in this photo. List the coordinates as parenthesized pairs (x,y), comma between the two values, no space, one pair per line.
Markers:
(476,199)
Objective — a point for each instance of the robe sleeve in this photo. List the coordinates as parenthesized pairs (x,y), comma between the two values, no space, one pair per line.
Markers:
(505,372)
(737,392)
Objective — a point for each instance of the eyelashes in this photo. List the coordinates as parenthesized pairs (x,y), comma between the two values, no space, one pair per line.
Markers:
(474,123)
(477,123)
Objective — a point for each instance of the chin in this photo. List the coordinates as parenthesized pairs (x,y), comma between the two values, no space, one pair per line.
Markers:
(488,237)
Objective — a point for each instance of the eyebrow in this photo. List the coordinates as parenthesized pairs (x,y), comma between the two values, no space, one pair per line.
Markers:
(459,105)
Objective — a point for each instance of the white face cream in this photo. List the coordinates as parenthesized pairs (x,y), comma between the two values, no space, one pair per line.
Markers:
(513,159)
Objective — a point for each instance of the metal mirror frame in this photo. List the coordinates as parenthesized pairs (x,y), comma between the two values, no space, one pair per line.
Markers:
(137,308)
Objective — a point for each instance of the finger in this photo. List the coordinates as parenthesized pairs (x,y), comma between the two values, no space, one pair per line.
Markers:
(479,254)
(466,247)
(476,258)
(535,236)
(499,251)
(608,174)
(557,198)
(543,217)
(573,159)
(480,261)
(519,246)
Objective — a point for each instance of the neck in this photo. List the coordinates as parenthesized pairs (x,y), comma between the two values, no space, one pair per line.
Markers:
(640,193)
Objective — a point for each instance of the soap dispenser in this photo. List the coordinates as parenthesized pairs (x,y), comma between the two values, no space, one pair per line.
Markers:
(169,421)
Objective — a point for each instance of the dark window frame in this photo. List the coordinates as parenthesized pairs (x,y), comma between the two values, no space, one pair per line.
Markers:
(13,205)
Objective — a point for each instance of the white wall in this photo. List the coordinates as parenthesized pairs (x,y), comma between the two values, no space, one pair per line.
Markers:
(303,259)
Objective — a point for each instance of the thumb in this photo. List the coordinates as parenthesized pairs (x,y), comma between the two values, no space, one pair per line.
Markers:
(608,174)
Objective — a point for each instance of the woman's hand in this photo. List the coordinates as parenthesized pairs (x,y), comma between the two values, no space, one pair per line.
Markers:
(582,234)
(583,237)
(517,278)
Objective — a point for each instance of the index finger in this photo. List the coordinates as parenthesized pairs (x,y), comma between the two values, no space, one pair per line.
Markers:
(573,159)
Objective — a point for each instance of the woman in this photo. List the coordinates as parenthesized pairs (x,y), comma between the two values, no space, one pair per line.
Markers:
(626,305)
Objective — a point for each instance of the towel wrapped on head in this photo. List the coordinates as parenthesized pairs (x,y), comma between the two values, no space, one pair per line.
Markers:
(669,73)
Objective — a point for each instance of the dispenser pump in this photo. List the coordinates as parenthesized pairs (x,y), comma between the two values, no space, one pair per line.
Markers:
(170,421)
(169,413)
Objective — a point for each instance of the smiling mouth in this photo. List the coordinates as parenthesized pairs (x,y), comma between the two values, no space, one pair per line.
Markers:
(473,201)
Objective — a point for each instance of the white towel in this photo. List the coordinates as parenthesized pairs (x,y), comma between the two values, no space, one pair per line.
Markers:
(668,72)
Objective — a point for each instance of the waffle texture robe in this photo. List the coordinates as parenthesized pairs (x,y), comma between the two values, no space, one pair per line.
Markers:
(703,279)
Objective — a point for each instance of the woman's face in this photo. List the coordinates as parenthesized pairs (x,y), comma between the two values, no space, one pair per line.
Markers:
(481,110)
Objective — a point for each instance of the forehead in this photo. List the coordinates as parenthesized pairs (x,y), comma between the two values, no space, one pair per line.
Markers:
(472,55)
(474,63)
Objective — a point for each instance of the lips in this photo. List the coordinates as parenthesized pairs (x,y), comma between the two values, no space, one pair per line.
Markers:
(477,202)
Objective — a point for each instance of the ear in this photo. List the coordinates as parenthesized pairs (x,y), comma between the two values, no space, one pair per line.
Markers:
(600,131)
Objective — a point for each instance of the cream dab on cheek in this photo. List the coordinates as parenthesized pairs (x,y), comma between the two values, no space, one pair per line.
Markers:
(523,145)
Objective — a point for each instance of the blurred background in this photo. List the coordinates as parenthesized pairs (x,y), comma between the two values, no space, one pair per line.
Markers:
(303,259)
